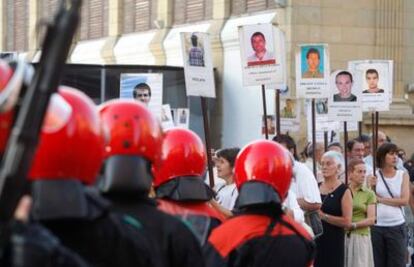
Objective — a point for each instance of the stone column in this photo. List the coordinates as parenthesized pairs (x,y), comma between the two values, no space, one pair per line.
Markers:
(164,21)
(221,12)
(115,30)
(389,38)
(33,35)
(2,25)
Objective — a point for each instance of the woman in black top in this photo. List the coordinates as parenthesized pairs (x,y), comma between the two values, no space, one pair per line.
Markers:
(336,212)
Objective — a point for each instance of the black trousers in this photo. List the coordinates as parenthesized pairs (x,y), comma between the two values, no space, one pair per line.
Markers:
(389,245)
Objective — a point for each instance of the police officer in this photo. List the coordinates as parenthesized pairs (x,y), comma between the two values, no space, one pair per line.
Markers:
(179,184)
(261,234)
(23,243)
(134,142)
(68,157)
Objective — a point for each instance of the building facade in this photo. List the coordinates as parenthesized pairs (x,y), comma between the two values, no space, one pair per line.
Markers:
(146,32)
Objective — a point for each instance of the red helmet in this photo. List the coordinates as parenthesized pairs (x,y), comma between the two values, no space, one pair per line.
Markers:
(183,154)
(6,118)
(131,129)
(71,143)
(11,81)
(267,162)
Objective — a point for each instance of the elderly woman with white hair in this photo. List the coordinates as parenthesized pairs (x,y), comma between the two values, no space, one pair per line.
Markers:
(335,212)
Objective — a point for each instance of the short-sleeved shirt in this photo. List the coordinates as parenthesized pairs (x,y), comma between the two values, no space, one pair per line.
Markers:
(312,74)
(360,202)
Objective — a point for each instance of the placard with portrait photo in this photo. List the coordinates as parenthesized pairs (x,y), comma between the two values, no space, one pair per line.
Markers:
(271,124)
(262,54)
(322,121)
(198,66)
(375,81)
(345,102)
(167,121)
(182,117)
(312,71)
(289,115)
(145,88)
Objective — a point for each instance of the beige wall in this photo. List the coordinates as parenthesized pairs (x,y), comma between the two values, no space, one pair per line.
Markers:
(354,29)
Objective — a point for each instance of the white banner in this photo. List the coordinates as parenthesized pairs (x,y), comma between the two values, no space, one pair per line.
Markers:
(144,87)
(375,81)
(198,66)
(262,55)
(312,71)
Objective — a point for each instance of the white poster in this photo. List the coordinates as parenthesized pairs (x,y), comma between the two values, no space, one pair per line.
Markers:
(312,71)
(375,81)
(198,66)
(345,102)
(289,115)
(145,88)
(262,55)
(167,121)
(322,121)
(182,118)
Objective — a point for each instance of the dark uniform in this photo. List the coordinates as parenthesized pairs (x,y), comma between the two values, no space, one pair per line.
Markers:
(179,246)
(85,224)
(260,234)
(259,241)
(32,245)
(69,156)
(179,185)
(126,180)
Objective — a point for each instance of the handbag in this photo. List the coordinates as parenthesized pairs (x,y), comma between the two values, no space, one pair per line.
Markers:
(313,219)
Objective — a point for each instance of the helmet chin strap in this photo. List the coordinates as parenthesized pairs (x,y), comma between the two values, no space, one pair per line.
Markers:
(22,74)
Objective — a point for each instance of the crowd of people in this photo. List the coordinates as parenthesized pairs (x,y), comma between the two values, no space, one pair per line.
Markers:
(366,216)
(107,186)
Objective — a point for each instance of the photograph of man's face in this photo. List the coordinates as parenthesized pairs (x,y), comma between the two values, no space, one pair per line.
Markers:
(258,43)
(142,93)
(372,79)
(259,54)
(312,62)
(344,82)
(344,85)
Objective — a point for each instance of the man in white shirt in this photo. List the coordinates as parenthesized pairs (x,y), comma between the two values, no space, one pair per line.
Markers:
(306,187)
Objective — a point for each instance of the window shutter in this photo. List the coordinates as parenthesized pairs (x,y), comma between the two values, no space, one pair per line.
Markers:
(17,18)
(94,19)
(239,7)
(139,15)
(186,11)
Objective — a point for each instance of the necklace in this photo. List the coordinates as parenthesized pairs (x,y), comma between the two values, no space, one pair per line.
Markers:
(331,189)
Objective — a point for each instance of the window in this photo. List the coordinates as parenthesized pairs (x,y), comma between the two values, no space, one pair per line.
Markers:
(186,11)
(94,19)
(17,17)
(239,7)
(139,15)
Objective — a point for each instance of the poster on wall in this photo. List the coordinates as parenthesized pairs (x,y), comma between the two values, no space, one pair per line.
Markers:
(262,54)
(143,87)
(198,66)
(375,81)
(312,71)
